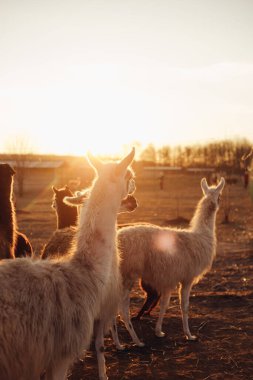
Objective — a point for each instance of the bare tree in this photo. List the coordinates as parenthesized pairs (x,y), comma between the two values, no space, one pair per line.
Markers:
(149,154)
(164,155)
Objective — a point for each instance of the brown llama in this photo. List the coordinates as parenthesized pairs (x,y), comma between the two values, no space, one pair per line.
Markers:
(47,321)
(7,214)
(12,242)
(66,215)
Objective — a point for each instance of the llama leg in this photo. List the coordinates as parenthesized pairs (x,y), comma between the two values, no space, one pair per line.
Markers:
(100,349)
(151,301)
(115,336)
(58,371)
(126,318)
(184,303)
(155,300)
(164,303)
(152,298)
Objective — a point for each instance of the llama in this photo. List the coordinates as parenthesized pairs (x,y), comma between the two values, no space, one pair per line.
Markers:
(47,322)
(166,257)
(62,239)
(7,214)
(109,308)
(66,216)
(12,242)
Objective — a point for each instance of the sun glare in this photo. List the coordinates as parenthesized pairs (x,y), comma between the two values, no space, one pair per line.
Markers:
(79,141)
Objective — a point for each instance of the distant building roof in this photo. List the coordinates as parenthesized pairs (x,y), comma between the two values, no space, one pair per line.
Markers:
(33,164)
(177,168)
(161,168)
(200,169)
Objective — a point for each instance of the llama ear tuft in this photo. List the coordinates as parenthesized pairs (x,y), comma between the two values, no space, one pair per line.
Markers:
(94,161)
(221,184)
(204,186)
(125,162)
(74,201)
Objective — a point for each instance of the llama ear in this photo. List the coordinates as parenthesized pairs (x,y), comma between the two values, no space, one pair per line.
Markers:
(12,171)
(94,162)
(74,201)
(122,166)
(54,190)
(204,186)
(221,184)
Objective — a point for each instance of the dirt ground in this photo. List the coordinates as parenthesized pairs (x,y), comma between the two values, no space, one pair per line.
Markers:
(221,305)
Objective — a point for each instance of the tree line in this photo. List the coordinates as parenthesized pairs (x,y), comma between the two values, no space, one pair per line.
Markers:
(223,154)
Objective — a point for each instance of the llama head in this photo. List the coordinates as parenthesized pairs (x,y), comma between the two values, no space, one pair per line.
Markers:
(117,176)
(6,178)
(128,204)
(59,195)
(78,199)
(213,192)
(6,170)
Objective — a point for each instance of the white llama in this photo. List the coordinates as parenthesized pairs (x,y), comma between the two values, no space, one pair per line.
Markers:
(110,304)
(166,257)
(47,321)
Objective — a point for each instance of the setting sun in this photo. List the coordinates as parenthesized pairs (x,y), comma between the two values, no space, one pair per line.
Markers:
(108,76)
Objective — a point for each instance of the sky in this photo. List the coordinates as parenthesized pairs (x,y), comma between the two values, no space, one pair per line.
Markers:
(101,76)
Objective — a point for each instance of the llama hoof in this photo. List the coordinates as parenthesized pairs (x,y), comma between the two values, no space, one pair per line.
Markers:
(191,337)
(120,347)
(160,334)
(105,377)
(141,344)
(135,318)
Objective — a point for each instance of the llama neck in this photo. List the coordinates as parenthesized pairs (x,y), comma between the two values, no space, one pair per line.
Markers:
(204,217)
(96,235)
(66,217)
(8,218)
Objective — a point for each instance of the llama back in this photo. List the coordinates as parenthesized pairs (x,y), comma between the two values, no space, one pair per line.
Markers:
(58,287)
(59,243)
(146,247)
